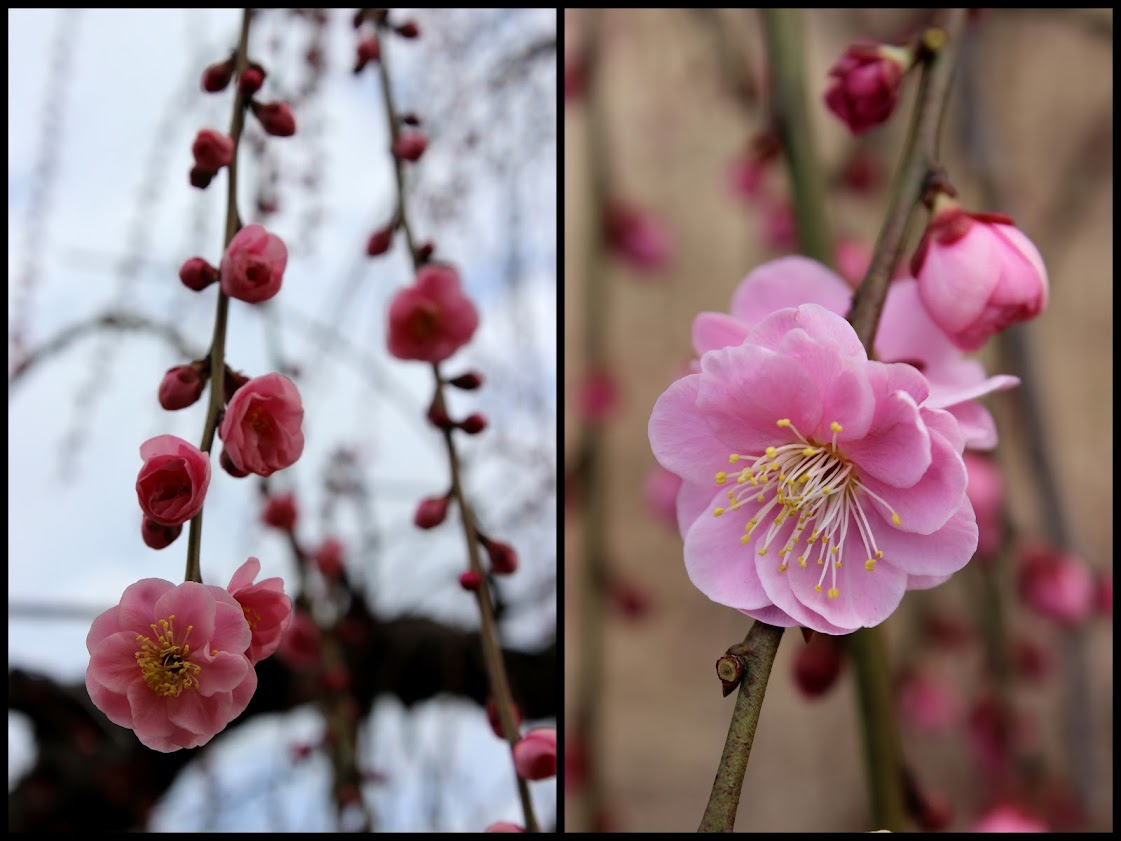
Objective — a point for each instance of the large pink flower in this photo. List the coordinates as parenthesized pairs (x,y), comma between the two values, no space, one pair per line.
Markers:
(845,489)
(432,319)
(252,268)
(171,486)
(267,610)
(906,334)
(262,427)
(169,662)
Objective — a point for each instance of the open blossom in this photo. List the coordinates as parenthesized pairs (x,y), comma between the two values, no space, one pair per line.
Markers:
(906,334)
(866,82)
(267,610)
(171,486)
(978,274)
(432,319)
(535,754)
(169,662)
(253,266)
(818,484)
(262,426)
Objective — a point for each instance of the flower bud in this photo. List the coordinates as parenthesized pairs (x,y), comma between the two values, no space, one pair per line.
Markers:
(431,512)
(253,266)
(424,252)
(329,558)
(977,273)
(275,117)
(251,80)
(157,535)
(369,49)
(182,386)
(197,274)
(410,146)
(470,580)
(473,424)
(867,79)
(503,558)
(380,241)
(217,76)
(927,703)
(408,29)
(535,754)
(212,150)
(280,512)
(439,418)
(817,665)
(1056,585)
(638,238)
(468,381)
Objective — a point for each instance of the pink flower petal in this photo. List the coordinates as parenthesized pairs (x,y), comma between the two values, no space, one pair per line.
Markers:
(680,439)
(897,448)
(714,330)
(719,565)
(929,503)
(941,553)
(789,282)
(692,502)
(843,384)
(825,326)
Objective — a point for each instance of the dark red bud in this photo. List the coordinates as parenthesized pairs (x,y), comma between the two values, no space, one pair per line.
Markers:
(230,467)
(217,76)
(468,382)
(408,29)
(201,178)
(380,241)
(157,536)
(251,80)
(197,274)
(470,580)
(473,424)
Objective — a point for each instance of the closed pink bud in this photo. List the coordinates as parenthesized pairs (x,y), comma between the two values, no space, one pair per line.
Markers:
(329,558)
(535,754)
(379,241)
(866,83)
(369,49)
(473,424)
(432,319)
(182,386)
(468,381)
(410,146)
(217,76)
(640,239)
(817,665)
(197,274)
(503,558)
(495,719)
(978,274)
(1056,585)
(253,266)
(251,80)
(439,418)
(158,536)
(470,580)
(431,512)
(276,118)
(262,426)
(212,150)
(172,483)
(409,29)
(280,512)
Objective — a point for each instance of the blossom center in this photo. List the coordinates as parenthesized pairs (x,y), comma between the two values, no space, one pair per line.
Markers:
(814,484)
(165,659)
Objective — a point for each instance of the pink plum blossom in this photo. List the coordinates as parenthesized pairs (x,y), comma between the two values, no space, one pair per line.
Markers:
(253,266)
(535,754)
(182,386)
(906,334)
(978,274)
(1007,817)
(267,610)
(818,485)
(171,486)
(169,662)
(262,426)
(866,83)
(432,319)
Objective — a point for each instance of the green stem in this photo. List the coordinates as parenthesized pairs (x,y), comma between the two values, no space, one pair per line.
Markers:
(759,649)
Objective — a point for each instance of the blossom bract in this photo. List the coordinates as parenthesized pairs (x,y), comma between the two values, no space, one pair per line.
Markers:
(267,610)
(169,662)
(262,427)
(171,486)
(432,319)
(252,268)
(978,274)
(818,486)
(535,754)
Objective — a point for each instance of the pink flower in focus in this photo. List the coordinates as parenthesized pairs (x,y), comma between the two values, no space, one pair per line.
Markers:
(1006,817)
(410,145)
(906,334)
(432,319)
(928,703)
(212,150)
(535,754)
(844,483)
(1056,585)
(253,266)
(262,426)
(986,492)
(172,483)
(267,610)
(660,493)
(329,558)
(978,274)
(169,662)
(280,512)
(866,82)
(638,238)
(503,826)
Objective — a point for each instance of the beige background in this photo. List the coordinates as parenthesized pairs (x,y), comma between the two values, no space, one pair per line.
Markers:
(1045,80)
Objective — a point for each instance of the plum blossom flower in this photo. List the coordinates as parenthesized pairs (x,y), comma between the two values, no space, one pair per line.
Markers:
(171,486)
(978,274)
(906,334)
(535,754)
(267,610)
(169,662)
(253,266)
(846,487)
(262,426)
(432,319)
(866,83)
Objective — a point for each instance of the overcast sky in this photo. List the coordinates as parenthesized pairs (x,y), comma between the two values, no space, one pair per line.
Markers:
(106,105)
